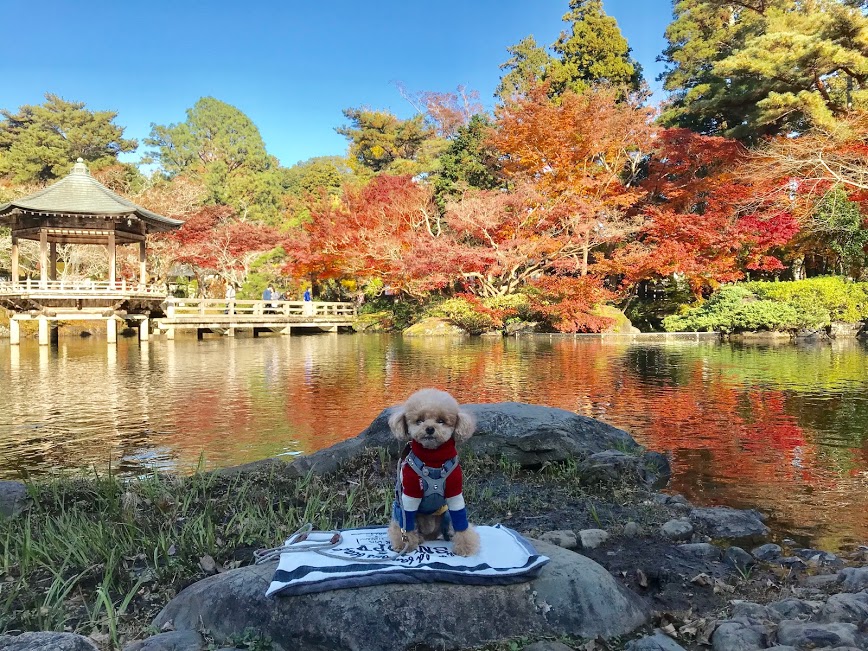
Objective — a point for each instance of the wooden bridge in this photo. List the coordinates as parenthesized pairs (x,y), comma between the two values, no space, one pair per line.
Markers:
(225,317)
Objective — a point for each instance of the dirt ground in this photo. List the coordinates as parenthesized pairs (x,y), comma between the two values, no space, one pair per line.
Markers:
(688,594)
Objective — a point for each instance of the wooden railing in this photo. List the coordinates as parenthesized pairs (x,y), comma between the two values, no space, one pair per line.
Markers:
(190,307)
(80,288)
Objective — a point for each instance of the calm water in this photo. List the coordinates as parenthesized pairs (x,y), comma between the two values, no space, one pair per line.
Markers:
(782,428)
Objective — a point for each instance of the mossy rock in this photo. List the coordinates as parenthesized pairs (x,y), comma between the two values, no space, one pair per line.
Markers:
(434,327)
(621,324)
(373,322)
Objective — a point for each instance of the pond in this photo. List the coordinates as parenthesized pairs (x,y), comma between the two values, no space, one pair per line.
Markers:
(782,428)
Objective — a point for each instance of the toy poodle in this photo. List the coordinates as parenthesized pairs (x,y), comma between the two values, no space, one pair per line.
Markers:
(428,493)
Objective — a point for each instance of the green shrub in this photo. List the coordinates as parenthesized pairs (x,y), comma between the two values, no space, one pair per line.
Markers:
(841,299)
(735,309)
(477,315)
(780,306)
(466,315)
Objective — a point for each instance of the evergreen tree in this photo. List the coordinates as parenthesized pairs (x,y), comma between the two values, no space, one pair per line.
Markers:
(592,51)
(315,175)
(467,163)
(221,146)
(381,142)
(524,69)
(40,143)
(757,67)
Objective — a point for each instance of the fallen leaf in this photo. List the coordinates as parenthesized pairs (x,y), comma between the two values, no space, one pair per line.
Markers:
(641,578)
(172,550)
(168,626)
(702,579)
(720,586)
(207,563)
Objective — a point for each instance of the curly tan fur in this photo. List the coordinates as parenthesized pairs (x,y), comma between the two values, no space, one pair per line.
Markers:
(431,417)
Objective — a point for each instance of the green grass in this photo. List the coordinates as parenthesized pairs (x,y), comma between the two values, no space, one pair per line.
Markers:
(104,555)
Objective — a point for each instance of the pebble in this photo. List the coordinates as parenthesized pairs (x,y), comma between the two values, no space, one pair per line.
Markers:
(680,529)
(592,538)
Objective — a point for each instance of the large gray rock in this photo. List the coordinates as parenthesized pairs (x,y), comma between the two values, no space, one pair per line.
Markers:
(733,635)
(657,642)
(733,524)
(46,642)
(13,498)
(811,635)
(529,435)
(853,579)
(171,641)
(572,596)
(846,607)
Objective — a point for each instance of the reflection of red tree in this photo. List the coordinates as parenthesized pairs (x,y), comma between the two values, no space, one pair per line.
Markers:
(730,442)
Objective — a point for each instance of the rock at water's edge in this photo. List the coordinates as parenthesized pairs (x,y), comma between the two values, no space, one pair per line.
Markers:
(530,435)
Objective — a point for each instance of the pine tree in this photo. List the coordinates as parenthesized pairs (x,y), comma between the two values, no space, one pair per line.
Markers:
(591,51)
(40,143)
(525,69)
(758,67)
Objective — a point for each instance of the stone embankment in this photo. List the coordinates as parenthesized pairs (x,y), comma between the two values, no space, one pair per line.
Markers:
(685,578)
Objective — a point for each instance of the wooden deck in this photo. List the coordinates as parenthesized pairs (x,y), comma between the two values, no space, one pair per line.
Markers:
(224,317)
(78,289)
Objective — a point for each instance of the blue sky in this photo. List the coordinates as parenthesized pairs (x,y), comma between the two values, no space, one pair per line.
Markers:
(291,66)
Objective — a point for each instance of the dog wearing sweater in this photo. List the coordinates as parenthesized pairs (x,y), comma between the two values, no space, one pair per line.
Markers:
(429,489)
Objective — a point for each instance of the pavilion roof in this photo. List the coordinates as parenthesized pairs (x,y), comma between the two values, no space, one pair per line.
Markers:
(78,193)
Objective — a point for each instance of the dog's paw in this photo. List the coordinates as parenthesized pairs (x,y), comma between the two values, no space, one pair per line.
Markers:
(465,543)
(397,541)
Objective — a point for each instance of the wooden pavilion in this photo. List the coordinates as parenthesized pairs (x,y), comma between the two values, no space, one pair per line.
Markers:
(78,209)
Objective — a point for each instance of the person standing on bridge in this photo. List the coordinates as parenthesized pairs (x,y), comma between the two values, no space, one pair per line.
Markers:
(308,305)
(230,298)
(266,296)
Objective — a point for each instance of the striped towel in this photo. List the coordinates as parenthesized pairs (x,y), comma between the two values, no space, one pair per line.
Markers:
(364,557)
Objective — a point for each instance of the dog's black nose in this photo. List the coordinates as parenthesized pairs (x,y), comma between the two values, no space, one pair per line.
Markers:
(429,430)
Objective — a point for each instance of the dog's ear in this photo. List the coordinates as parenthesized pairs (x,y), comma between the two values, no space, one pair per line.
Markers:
(398,424)
(465,426)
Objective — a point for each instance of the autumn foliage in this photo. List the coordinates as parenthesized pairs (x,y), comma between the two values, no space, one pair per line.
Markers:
(596,200)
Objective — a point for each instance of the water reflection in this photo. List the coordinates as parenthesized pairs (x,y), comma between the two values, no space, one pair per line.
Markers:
(781,428)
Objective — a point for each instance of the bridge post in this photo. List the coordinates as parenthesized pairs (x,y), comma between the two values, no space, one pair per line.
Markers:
(14,332)
(286,331)
(111,330)
(43,330)
(230,332)
(144,329)
(170,333)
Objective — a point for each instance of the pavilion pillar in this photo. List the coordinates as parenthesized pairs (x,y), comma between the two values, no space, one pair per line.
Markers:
(14,332)
(52,261)
(111,330)
(14,261)
(43,330)
(142,258)
(112,253)
(43,258)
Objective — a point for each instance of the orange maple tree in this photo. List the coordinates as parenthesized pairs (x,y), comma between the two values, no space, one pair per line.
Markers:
(583,155)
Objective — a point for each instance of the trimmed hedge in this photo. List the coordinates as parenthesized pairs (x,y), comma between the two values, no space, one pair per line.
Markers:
(776,306)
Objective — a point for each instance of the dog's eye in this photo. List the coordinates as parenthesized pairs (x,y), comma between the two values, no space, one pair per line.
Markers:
(440,421)
(419,421)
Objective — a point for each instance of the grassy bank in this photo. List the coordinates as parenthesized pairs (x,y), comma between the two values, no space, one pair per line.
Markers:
(103,555)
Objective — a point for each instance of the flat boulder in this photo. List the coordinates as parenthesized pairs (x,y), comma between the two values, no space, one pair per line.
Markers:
(731,524)
(46,641)
(572,596)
